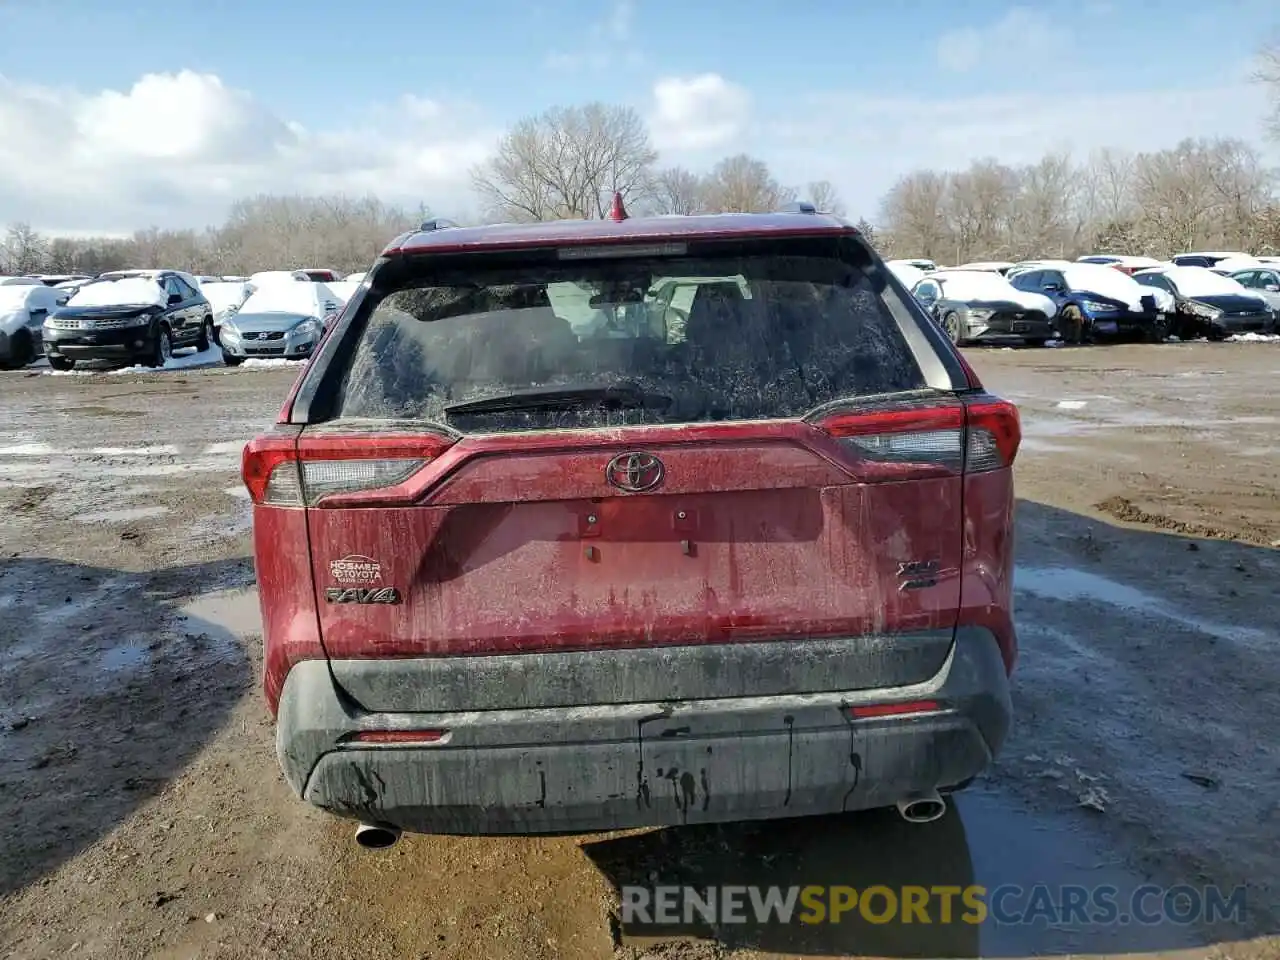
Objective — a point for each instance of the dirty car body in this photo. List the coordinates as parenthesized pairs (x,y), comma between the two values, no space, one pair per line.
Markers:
(543,549)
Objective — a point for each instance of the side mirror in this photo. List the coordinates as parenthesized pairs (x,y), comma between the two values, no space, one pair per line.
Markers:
(1053,288)
(175,299)
(1272,288)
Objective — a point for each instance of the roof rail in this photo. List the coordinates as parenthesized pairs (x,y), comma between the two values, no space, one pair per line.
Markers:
(439,223)
(800,206)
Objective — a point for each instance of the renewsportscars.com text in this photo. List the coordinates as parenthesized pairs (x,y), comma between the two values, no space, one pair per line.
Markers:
(1008,904)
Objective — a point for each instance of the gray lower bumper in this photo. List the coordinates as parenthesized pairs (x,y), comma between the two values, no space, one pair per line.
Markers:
(581,769)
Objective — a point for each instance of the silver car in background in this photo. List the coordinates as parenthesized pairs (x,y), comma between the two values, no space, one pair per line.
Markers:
(278,321)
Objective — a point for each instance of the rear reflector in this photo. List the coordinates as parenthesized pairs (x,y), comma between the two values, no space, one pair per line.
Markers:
(969,437)
(280,471)
(396,736)
(905,708)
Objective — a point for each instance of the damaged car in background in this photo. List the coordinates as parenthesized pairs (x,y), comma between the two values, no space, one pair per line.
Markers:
(982,305)
(539,550)
(1209,304)
(131,317)
(1099,302)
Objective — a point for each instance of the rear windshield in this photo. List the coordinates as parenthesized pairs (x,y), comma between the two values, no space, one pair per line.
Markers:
(593,343)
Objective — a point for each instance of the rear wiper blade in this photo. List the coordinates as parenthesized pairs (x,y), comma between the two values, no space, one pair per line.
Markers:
(615,397)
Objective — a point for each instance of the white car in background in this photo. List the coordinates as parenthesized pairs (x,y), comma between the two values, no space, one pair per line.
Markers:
(279,321)
(264,277)
(19,281)
(23,309)
(906,271)
(355,277)
(226,298)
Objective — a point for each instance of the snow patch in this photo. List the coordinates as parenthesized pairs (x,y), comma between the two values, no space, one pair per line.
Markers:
(27,450)
(129,292)
(123,515)
(264,363)
(160,451)
(225,446)
(1254,338)
(1071,404)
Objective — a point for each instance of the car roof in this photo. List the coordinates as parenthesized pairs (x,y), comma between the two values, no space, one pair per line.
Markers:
(505,236)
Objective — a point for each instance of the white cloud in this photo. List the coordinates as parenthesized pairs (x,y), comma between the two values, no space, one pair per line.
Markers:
(606,44)
(176,149)
(1020,36)
(698,113)
(876,140)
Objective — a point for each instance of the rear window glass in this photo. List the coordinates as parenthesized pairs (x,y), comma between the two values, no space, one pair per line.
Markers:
(590,343)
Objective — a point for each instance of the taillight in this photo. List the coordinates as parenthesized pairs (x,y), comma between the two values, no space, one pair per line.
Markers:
(288,472)
(972,437)
(995,432)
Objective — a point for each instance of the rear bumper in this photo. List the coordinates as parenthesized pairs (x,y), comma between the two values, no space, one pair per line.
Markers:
(608,767)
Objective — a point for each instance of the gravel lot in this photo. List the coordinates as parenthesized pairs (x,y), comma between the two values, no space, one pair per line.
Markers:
(142,813)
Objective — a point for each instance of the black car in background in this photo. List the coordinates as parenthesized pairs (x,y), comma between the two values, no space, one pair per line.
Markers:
(130,317)
(1209,304)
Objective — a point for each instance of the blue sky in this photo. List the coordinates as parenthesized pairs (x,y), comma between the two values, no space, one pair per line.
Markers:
(402,97)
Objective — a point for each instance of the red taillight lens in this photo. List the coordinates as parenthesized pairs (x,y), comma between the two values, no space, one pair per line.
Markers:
(994,433)
(922,437)
(872,710)
(952,437)
(286,472)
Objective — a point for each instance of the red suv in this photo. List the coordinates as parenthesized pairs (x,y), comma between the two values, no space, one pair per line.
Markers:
(600,524)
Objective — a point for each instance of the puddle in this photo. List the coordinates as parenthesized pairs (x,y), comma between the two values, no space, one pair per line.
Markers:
(231,614)
(1014,850)
(125,658)
(1068,584)
(122,515)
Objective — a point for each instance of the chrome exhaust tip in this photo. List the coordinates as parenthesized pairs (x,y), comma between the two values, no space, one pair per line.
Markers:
(376,836)
(925,808)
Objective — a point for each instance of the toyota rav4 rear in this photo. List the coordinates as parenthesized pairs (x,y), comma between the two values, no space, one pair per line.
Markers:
(590,525)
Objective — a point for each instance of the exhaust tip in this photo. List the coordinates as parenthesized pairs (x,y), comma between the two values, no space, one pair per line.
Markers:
(376,836)
(924,809)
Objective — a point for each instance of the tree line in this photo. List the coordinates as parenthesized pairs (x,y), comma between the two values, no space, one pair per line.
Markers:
(568,162)
(1200,194)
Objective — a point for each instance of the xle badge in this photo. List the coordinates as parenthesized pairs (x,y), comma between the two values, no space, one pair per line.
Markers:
(362,595)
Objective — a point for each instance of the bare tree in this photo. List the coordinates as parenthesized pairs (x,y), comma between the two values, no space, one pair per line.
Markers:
(743,184)
(566,164)
(677,190)
(913,215)
(24,250)
(1176,192)
(824,195)
(1268,73)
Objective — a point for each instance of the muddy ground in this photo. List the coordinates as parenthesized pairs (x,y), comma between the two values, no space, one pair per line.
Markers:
(142,814)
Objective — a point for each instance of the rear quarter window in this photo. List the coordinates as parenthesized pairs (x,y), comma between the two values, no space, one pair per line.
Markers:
(722,339)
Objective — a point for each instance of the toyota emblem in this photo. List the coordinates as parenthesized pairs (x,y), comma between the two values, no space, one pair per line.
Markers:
(635,472)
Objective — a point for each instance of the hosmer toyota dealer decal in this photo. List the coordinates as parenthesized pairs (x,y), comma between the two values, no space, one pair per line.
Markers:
(355,569)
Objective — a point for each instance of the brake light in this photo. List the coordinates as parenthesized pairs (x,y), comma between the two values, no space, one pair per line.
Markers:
(972,437)
(289,472)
